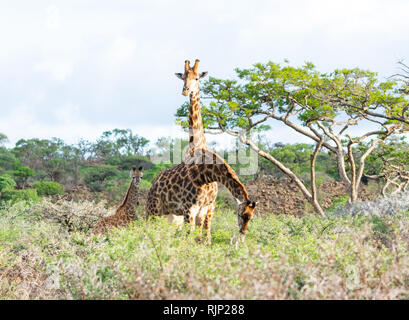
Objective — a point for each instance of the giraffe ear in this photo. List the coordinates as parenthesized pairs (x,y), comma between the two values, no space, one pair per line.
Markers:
(179,75)
(203,74)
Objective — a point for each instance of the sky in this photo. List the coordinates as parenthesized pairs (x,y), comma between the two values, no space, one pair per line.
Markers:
(73,69)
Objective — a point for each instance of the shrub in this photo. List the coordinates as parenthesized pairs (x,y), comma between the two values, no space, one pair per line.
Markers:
(145,185)
(127,162)
(71,215)
(338,202)
(6,182)
(389,206)
(12,195)
(150,175)
(21,174)
(95,176)
(48,188)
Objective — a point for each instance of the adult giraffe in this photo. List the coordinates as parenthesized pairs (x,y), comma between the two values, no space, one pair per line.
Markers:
(197,140)
(178,191)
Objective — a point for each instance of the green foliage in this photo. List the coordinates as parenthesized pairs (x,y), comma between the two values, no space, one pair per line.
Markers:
(36,152)
(119,142)
(6,182)
(48,188)
(95,176)
(283,257)
(13,196)
(21,175)
(301,90)
(7,160)
(380,225)
(338,202)
(3,139)
(297,158)
(393,152)
(145,185)
(151,174)
(127,162)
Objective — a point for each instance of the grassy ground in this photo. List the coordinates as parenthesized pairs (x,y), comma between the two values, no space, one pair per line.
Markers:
(45,255)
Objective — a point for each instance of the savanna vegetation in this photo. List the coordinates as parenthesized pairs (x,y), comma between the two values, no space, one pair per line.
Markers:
(334,247)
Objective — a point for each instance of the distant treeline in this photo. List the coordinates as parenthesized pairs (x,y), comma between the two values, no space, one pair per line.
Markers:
(102,166)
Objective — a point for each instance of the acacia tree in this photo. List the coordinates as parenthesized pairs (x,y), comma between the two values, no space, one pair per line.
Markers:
(323,107)
(390,162)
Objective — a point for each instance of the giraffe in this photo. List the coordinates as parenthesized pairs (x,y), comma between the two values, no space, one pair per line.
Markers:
(197,140)
(178,191)
(126,211)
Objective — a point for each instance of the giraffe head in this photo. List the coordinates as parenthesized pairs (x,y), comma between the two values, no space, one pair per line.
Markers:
(136,175)
(244,215)
(191,78)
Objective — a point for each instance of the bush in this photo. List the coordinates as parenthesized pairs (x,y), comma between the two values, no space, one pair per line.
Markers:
(390,206)
(150,175)
(338,202)
(6,182)
(48,188)
(21,174)
(127,162)
(145,185)
(12,195)
(95,176)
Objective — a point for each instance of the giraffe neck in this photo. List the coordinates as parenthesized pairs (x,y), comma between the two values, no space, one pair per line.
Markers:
(130,200)
(226,176)
(207,166)
(196,132)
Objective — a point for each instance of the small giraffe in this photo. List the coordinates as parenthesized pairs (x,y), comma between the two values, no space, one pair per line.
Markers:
(126,211)
(197,140)
(178,191)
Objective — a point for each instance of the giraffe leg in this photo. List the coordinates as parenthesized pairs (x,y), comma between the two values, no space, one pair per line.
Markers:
(208,222)
(200,219)
(190,216)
